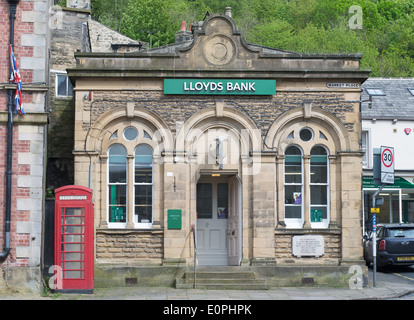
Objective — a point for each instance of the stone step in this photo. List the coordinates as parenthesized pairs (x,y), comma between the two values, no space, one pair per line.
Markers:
(222,280)
(221,275)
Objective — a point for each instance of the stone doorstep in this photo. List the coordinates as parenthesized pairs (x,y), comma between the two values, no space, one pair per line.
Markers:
(239,280)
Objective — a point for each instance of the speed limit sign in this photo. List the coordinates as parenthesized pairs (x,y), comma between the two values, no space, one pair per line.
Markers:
(387,165)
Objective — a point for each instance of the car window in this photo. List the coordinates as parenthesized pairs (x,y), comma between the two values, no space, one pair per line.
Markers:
(401,233)
(380,232)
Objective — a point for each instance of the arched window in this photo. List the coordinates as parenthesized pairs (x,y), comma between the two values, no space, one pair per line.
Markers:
(117,184)
(319,185)
(143,184)
(293,186)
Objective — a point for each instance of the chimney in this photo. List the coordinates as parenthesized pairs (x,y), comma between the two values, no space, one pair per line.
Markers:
(183,26)
(183,35)
(228,12)
(79,4)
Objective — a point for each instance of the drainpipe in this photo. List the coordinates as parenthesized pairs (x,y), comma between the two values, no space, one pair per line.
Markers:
(3,255)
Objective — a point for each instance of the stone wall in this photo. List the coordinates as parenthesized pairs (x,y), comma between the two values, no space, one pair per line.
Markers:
(142,246)
(262,110)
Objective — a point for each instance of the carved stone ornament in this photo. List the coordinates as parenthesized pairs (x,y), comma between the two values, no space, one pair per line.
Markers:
(219,50)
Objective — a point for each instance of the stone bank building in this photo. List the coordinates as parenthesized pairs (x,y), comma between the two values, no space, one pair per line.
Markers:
(252,151)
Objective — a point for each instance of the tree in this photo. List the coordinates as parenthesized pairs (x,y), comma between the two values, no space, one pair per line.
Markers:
(149,21)
(386,39)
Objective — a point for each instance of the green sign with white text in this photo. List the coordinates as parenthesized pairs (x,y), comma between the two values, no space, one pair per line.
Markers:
(220,86)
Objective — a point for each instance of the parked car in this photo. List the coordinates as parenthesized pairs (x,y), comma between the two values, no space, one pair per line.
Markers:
(395,245)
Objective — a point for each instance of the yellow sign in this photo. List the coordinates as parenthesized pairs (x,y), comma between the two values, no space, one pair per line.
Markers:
(374,210)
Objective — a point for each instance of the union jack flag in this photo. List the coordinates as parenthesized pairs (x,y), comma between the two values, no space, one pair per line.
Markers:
(15,78)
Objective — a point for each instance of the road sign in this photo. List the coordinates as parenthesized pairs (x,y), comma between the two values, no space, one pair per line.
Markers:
(387,165)
(374,210)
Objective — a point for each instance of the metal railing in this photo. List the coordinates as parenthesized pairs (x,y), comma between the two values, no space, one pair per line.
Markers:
(193,228)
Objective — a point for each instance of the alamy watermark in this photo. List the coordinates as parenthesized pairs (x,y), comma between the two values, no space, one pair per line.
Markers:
(355,21)
(356,280)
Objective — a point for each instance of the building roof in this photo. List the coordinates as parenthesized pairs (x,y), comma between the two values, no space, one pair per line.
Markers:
(397,102)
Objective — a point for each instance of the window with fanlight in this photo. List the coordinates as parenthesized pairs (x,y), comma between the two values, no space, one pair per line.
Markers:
(306,179)
(130,172)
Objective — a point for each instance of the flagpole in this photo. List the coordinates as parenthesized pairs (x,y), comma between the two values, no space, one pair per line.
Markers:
(3,255)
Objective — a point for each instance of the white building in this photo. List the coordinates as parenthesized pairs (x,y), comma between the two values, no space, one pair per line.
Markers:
(389,121)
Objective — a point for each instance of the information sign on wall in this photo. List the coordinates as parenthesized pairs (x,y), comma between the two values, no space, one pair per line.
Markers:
(312,245)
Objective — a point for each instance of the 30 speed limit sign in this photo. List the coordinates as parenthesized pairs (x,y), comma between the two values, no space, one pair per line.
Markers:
(387,165)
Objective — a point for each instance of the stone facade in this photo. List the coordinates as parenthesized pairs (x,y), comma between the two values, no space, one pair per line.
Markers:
(186,133)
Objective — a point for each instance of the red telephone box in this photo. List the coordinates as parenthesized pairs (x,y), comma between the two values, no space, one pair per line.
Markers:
(74,240)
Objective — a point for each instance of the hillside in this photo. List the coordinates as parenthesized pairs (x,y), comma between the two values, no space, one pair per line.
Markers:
(382,30)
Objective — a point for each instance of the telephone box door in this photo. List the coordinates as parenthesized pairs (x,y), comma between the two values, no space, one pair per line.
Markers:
(74,240)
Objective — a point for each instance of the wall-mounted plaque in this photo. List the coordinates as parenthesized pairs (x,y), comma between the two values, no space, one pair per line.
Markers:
(305,246)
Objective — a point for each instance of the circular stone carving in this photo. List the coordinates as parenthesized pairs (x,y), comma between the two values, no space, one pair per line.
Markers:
(219,50)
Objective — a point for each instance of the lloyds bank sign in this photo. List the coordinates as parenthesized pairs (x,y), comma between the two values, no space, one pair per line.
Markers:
(220,86)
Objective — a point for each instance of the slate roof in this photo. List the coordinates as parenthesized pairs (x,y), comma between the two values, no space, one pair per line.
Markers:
(397,103)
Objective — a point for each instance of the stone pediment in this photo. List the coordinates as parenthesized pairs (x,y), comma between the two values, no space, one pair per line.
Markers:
(219,44)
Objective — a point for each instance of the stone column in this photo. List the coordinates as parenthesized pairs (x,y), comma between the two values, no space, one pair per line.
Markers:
(351,215)
(306,192)
(130,191)
(264,196)
(175,197)
(103,223)
(280,184)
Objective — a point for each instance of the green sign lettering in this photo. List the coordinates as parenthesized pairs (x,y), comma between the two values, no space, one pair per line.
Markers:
(220,86)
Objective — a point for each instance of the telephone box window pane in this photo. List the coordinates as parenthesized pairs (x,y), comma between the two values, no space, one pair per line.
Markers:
(72,229)
(73,238)
(72,247)
(73,220)
(72,256)
(72,265)
(73,211)
(72,274)
(204,200)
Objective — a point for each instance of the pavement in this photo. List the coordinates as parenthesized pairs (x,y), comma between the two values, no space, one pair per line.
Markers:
(382,291)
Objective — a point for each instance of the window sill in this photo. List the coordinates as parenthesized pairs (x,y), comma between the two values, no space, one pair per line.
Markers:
(297,231)
(128,231)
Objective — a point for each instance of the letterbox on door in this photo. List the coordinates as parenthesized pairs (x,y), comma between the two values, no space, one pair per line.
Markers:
(74,239)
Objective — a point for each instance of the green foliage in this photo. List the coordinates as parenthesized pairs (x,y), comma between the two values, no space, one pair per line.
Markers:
(148,20)
(386,39)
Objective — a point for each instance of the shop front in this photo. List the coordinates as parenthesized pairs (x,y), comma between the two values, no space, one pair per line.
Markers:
(398,198)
